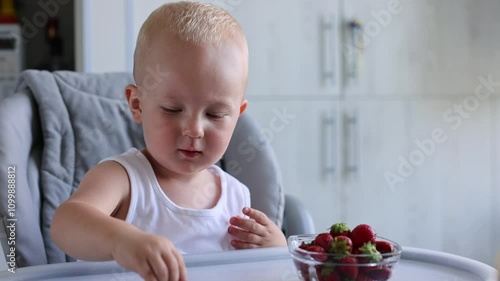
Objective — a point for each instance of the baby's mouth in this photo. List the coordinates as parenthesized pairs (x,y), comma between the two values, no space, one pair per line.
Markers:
(189,153)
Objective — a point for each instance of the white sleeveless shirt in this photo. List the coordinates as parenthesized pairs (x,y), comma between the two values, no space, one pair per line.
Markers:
(190,230)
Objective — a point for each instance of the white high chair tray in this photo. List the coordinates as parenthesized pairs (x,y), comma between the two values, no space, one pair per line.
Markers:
(271,264)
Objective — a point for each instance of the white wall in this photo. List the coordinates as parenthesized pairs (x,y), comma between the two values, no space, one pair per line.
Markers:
(101,34)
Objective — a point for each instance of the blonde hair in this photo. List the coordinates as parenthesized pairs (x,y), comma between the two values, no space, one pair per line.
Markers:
(191,22)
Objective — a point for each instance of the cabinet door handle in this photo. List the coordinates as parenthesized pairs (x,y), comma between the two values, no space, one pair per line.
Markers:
(328,158)
(353,48)
(352,133)
(327,59)
(353,124)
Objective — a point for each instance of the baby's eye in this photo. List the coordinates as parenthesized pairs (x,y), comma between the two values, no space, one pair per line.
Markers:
(171,110)
(216,115)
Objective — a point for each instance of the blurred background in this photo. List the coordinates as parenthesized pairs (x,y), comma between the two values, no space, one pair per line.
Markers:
(383,112)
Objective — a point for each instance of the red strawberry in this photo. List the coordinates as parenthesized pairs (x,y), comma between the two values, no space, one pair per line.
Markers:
(384,247)
(362,234)
(349,267)
(304,269)
(328,274)
(324,240)
(319,253)
(363,277)
(356,251)
(382,273)
(340,229)
(341,245)
(367,270)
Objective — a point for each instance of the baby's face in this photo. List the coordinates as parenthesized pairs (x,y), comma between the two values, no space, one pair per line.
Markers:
(191,99)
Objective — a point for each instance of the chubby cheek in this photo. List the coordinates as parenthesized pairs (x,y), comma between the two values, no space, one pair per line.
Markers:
(219,140)
(158,135)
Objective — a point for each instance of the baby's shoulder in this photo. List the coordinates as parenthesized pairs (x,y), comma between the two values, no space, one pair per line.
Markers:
(108,171)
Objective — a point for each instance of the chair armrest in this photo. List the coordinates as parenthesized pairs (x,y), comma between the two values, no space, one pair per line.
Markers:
(297,219)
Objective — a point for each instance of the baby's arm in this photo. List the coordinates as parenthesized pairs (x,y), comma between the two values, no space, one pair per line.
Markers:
(84,228)
(257,232)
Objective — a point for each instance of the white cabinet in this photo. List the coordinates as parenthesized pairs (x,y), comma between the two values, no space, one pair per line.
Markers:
(336,157)
(375,136)
(376,54)
(414,139)
(423,173)
(451,187)
(305,136)
(422,48)
(293,46)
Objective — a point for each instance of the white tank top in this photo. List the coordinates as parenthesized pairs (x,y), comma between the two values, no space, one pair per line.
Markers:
(190,230)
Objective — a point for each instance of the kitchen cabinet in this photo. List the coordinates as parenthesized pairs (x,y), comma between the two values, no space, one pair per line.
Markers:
(375,37)
(305,137)
(425,48)
(293,46)
(423,174)
(435,60)
(451,188)
(375,136)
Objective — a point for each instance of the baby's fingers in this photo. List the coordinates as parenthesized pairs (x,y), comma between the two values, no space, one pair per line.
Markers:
(182,267)
(147,272)
(244,235)
(158,268)
(175,265)
(257,215)
(247,225)
(243,245)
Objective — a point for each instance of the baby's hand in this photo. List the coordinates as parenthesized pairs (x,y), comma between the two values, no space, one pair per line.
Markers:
(151,256)
(257,232)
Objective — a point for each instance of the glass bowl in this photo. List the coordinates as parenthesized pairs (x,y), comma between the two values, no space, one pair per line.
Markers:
(314,266)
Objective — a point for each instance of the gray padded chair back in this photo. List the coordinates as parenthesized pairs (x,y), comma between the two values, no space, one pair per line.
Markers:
(21,148)
(28,144)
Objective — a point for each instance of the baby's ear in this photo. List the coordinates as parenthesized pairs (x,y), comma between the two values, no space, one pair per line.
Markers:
(132,96)
(243,106)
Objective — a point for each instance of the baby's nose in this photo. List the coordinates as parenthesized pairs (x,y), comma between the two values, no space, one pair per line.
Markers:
(193,128)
